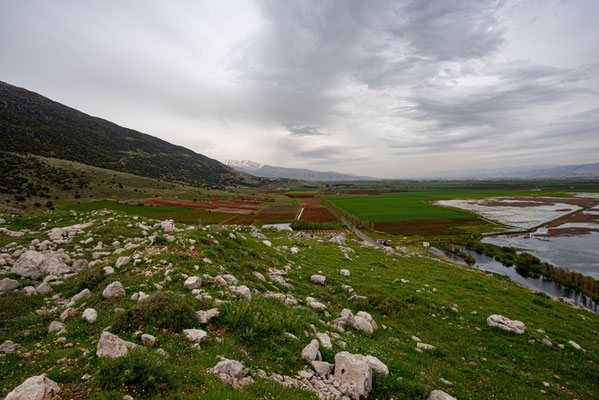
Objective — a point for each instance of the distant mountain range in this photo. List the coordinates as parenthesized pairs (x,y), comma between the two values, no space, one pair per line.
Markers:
(31,123)
(526,172)
(269,171)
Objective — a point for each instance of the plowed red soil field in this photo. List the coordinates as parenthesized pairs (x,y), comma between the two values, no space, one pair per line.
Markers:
(314,211)
(236,205)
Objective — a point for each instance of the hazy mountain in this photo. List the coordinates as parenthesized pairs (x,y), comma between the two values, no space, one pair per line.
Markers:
(31,123)
(269,171)
(526,172)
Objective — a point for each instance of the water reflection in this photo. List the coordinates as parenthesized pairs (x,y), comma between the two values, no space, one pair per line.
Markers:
(539,284)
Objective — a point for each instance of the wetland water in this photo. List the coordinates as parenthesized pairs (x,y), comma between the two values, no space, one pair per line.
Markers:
(540,284)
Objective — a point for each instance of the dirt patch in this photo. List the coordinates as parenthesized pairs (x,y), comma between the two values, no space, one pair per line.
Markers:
(234,205)
(299,195)
(580,217)
(423,226)
(281,209)
(262,217)
(314,211)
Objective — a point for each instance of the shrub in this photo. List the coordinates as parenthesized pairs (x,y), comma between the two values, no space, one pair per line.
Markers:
(89,279)
(163,310)
(260,319)
(140,373)
(160,241)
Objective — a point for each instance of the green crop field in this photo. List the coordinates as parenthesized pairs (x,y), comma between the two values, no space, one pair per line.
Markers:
(405,206)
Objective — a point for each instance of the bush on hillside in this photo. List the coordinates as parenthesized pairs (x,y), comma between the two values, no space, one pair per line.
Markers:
(163,310)
(140,373)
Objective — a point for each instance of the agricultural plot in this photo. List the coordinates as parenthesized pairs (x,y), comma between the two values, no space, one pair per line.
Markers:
(413,212)
(310,209)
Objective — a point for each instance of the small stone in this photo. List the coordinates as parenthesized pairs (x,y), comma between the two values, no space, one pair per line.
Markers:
(195,335)
(90,315)
(148,340)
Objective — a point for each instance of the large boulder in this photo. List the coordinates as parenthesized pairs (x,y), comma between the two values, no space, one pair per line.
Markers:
(35,388)
(33,264)
(354,375)
(112,346)
(440,395)
(115,289)
(8,284)
(506,324)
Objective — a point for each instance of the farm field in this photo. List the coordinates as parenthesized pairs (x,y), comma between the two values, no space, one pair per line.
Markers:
(409,211)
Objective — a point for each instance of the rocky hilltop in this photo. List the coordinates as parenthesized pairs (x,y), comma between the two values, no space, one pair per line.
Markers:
(106,305)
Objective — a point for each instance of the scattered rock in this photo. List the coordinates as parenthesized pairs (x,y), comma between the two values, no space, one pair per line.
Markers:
(377,365)
(35,388)
(148,340)
(55,326)
(115,289)
(310,352)
(122,261)
(354,375)
(506,324)
(345,272)
(193,282)
(440,395)
(322,368)
(9,347)
(112,346)
(8,284)
(195,335)
(33,264)
(90,315)
(207,315)
(319,279)
(324,340)
(575,345)
(79,265)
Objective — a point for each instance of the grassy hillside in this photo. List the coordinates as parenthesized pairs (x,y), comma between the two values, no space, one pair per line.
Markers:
(31,123)
(444,305)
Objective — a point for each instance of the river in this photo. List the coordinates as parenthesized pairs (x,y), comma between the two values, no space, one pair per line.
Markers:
(540,284)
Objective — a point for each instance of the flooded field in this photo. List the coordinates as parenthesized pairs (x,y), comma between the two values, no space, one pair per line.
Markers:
(541,284)
(569,237)
(522,213)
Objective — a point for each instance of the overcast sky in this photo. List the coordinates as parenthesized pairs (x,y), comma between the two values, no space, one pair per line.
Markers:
(378,87)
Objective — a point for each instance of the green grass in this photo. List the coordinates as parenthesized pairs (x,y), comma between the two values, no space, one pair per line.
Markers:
(507,365)
(413,205)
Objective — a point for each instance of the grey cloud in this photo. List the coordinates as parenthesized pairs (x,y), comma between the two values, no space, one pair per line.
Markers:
(388,77)
(304,130)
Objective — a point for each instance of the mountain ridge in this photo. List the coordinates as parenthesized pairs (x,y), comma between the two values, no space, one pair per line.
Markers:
(271,171)
(32,123)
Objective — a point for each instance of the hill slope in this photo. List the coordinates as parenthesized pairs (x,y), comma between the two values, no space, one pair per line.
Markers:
(31,123)
(270,171)
(271,314)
